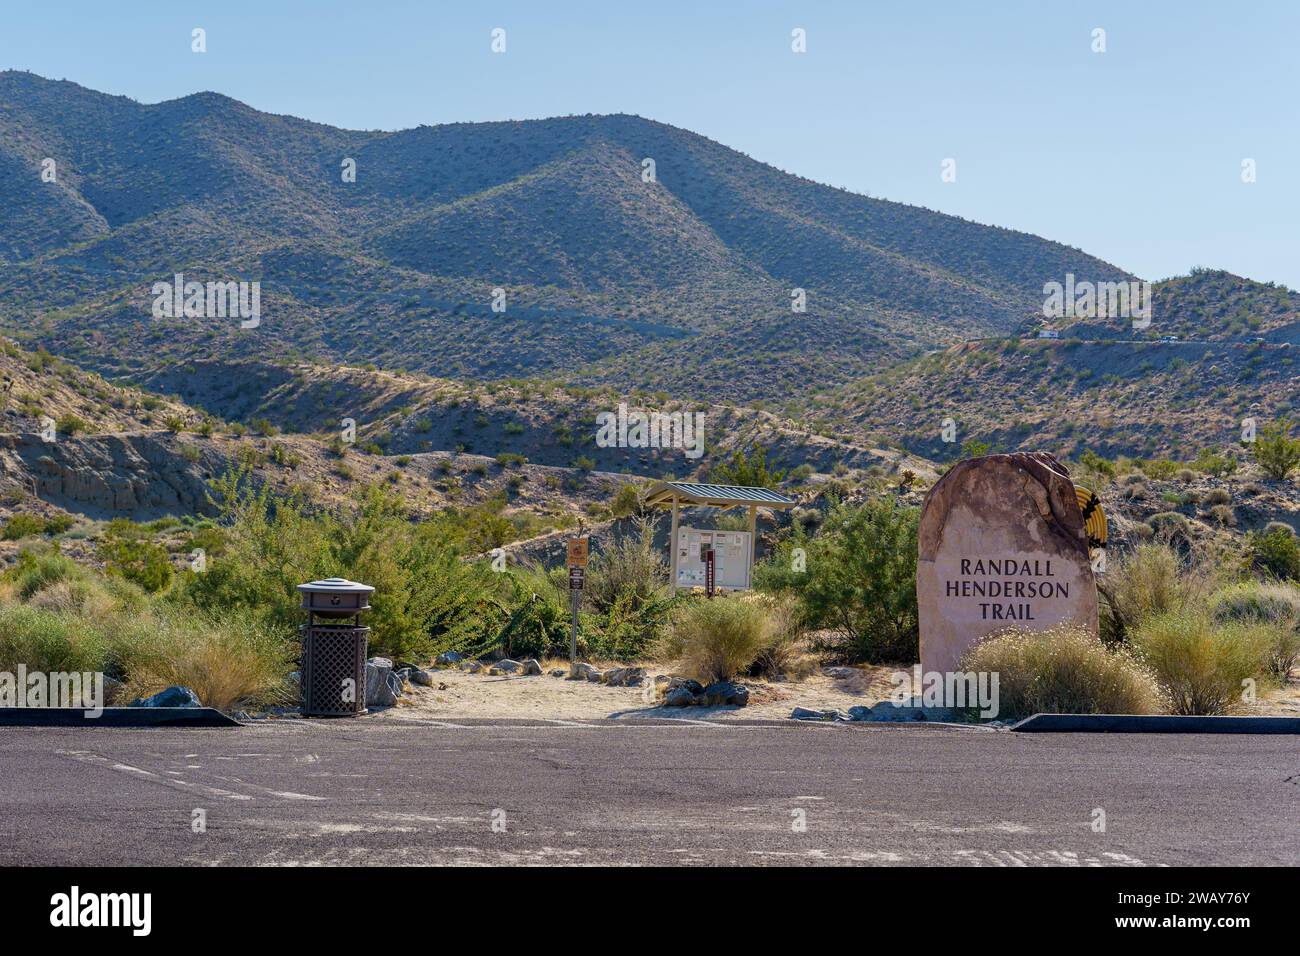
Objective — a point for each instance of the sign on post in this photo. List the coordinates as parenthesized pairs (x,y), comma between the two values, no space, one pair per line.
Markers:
(577,560)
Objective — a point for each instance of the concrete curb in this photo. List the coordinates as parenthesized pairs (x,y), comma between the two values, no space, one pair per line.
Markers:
(1155,724)
(115,717)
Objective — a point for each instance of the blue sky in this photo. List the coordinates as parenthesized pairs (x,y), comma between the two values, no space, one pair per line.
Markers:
(1133,154)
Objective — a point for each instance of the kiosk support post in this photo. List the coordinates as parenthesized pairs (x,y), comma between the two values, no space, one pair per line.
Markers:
(672,552)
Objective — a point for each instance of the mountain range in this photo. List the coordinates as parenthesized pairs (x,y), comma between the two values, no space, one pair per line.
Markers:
(680,277)
(622,255)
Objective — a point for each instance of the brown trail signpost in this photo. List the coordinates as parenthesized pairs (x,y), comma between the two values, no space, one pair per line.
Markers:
(577,561)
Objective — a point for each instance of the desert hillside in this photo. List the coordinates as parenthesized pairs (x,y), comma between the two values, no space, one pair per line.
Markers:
(682,281)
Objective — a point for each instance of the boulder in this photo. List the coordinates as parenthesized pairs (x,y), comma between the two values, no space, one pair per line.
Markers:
(506,666)
(559,672)
(422,677)
(693,686)
(584,671)
(448,658)
(680,697)
(807,713)
(887,711)
(170,697)
(624,676)
(532,666)
(380,680)
(471,667)
(725,694)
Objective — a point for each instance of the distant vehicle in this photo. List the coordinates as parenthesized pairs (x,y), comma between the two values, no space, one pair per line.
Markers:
(1048,334)
(1169,338)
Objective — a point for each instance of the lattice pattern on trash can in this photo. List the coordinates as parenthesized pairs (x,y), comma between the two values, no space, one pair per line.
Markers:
(333,677)
(333,669)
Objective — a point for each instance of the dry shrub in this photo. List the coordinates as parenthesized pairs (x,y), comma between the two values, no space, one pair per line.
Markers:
(1063,670)
(783,657)
(228,661)
(1275,605)
(1151,580)
(84,598)
(1202,664)
(720,638)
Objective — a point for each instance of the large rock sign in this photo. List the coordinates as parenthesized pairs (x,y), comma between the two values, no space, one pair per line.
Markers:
(1001,544)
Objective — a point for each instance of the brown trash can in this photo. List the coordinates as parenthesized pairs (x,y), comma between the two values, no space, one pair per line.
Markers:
(333,676)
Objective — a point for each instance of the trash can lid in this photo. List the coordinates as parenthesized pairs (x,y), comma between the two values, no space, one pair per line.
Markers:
(336,586)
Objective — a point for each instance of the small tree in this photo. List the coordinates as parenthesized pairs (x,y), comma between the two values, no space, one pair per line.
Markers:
(70,424)
(747,467)
(857,577)
(1276,451)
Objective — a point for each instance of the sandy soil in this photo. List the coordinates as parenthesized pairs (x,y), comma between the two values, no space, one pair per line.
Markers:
(458,694)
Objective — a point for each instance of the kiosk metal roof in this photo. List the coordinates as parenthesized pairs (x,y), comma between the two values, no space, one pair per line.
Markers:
(720,496)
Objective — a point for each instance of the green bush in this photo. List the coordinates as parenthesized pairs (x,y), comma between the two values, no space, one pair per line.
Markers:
(859,579)
(427,597)
(626,501)
(1063,670)
(36,569)
(22,525)
(628,595)
(1202,665)
(46,640)
(70,424)
(539,617)
(1276,451)
(1149,581)
(129,554)
(747,467)
(1276,552)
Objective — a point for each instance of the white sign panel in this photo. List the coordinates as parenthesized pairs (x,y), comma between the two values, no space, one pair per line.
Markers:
(733,557)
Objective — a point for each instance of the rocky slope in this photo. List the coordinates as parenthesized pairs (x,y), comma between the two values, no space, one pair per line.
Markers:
(679,281)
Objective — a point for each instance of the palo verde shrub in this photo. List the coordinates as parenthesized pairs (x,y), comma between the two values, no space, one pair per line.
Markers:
(857,577)
(1063,670)
(627,595)
(1202,664)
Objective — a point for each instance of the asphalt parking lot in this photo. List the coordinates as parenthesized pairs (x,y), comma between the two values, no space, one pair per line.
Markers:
(636,792)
